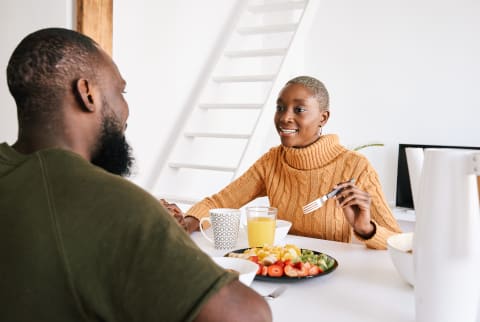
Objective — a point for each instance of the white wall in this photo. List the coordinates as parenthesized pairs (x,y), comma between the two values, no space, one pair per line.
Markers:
(398,71)
(402,71)
(17,19)
(161,48)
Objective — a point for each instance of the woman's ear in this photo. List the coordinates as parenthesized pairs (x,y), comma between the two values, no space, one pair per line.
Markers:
(324,116)
(84,94)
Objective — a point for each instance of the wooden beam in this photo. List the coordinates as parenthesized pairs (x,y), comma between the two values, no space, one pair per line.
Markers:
(478,185)
(94,19)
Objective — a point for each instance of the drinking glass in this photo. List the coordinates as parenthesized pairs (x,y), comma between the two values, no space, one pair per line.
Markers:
(261,225)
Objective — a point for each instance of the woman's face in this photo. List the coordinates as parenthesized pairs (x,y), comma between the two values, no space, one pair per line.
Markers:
(299,116)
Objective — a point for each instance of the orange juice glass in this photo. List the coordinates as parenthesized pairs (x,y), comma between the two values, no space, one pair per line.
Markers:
(261,225)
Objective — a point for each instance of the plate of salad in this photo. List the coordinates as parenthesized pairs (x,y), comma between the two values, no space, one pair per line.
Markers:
(287,263)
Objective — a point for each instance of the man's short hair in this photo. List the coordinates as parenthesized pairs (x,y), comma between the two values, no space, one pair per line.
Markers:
(44,66)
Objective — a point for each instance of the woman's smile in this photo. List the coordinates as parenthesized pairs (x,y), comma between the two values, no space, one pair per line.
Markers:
(283,131)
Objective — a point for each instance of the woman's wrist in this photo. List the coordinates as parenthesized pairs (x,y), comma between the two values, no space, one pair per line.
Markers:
(368,231)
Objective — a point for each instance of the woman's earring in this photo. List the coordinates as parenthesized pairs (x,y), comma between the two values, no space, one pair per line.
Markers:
(319,130)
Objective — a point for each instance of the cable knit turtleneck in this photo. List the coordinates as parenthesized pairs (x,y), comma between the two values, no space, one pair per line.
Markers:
(293,177)
(314,156)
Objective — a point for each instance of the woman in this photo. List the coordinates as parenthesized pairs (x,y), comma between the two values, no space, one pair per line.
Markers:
(304,167)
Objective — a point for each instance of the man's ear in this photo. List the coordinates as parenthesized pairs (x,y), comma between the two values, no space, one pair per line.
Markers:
(84,93)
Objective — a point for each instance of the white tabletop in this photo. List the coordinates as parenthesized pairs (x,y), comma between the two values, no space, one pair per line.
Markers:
(365,286)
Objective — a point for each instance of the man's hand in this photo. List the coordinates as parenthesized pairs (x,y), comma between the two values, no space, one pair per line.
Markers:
(175,212)
(189,223)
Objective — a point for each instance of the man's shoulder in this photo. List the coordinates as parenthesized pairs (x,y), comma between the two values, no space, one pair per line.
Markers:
(71,166)
(67,170)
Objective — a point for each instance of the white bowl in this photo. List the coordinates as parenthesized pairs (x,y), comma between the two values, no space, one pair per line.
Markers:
(400,248)
(281,231)
(245,268)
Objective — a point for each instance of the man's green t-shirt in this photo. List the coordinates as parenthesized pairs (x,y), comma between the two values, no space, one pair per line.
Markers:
(80,244)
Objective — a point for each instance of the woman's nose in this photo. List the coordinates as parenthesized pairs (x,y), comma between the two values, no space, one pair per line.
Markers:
(286,116)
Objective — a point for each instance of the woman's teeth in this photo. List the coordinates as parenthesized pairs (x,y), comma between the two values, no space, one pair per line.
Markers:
(288,131)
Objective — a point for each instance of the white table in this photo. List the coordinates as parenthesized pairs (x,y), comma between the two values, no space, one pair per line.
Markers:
(365,286)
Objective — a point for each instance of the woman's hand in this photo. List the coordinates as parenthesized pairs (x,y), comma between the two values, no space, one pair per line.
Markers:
(356,208)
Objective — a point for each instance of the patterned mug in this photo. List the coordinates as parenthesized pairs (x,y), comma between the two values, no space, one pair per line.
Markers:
(225,225)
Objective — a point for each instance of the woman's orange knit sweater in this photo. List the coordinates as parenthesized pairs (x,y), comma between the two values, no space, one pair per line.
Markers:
(292,177)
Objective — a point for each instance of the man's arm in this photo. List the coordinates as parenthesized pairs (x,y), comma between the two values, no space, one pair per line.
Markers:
(191,223)
(235,302)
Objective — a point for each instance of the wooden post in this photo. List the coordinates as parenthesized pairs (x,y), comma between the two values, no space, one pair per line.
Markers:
(478,185)
(94,19)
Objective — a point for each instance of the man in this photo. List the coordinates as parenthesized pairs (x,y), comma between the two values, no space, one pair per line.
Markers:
(79,243)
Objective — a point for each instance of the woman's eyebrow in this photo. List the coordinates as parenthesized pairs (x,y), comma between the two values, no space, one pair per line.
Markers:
(295,100)
(299,100)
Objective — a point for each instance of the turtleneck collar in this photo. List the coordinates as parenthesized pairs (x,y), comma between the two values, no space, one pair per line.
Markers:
(316,155)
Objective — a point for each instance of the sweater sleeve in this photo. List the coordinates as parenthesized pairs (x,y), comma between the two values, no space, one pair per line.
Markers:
(244,189)
(381,215)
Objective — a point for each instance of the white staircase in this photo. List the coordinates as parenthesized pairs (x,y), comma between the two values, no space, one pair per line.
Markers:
(229,116)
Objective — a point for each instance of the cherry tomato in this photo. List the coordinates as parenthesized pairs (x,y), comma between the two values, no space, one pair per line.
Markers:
(264,270)
(275,270)
(259,270)
(314,270)
(253,258)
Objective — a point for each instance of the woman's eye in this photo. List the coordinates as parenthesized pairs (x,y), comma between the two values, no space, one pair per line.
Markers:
(124,92)
(299,109)
(280,108)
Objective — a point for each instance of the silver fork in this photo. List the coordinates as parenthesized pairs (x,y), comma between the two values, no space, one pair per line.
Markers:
(275,293)
(317,203)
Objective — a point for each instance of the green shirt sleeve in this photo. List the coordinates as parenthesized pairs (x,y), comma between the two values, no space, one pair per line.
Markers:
(126,258)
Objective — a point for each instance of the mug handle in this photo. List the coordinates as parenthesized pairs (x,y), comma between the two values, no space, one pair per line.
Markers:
(203,231)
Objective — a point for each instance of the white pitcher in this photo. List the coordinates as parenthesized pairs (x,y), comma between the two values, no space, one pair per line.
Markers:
(415,163)
(447,238)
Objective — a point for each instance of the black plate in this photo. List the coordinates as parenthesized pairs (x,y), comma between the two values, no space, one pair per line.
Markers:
(288,278)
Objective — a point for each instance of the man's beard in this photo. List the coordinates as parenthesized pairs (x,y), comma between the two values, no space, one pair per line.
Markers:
(113,153)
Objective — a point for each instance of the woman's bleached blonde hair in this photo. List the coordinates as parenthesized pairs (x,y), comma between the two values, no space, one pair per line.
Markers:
(317,88)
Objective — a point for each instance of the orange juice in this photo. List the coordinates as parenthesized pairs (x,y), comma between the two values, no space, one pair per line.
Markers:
(261,231)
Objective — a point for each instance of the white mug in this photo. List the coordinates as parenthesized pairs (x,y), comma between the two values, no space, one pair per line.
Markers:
(225,225)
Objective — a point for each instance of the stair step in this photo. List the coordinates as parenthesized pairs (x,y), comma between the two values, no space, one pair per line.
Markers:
(256,52)
(217,135)
(279,6)
(212,106)
(253,38)
(243,78)
(179,165)
(288,27)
